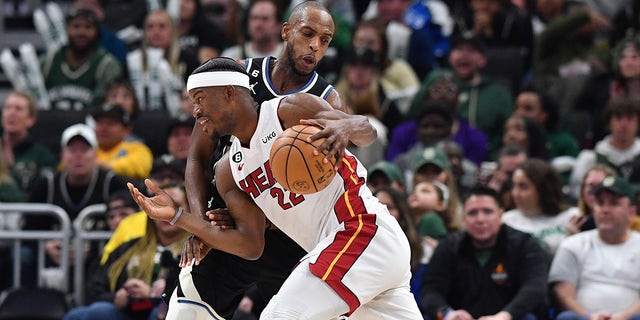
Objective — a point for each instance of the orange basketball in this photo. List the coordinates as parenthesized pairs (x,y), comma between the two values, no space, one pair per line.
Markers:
(293,164)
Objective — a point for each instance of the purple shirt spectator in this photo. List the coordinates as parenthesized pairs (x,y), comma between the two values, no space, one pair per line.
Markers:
(473,141)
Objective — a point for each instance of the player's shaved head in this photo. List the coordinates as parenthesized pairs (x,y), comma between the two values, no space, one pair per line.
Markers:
(299,11)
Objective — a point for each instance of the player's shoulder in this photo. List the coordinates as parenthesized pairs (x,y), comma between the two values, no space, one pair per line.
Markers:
(302,99)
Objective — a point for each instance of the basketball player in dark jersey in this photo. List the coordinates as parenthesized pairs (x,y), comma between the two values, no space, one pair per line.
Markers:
(220,278)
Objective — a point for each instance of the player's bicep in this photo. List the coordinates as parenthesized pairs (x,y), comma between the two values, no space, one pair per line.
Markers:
(248,216)
(336,101)
(301,106)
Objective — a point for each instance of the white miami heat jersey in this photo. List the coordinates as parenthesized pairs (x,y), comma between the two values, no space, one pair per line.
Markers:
(307,219)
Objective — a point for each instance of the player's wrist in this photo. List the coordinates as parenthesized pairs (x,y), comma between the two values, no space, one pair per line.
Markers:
(176,216)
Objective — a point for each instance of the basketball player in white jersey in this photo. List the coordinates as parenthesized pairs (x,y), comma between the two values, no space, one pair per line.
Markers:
(306,34)
(358,260)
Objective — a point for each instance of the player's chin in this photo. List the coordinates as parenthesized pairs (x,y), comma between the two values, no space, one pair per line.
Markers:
(306,69)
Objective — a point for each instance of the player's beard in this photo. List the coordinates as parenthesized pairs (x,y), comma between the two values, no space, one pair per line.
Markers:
(292,64)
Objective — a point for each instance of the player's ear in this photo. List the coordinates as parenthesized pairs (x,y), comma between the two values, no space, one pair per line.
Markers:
(285,31)
(229,92)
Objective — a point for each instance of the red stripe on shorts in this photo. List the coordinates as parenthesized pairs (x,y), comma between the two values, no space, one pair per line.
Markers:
(350,204)
(336,260)
(360,227)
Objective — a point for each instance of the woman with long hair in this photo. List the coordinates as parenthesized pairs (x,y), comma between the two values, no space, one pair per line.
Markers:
(526,134)
(539,204)
(158,70)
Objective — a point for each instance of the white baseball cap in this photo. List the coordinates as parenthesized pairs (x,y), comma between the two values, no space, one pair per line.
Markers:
(79,130)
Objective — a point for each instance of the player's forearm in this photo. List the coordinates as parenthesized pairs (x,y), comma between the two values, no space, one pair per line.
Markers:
(196,172)
(241,241)
(196,187)
(357,127)
(362,132)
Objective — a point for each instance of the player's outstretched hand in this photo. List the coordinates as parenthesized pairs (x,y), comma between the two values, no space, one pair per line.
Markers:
(160,207)
(336,136)
(221,218)
(193,251)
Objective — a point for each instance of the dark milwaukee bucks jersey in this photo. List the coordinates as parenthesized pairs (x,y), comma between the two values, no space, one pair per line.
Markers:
(78,88)
(262,89)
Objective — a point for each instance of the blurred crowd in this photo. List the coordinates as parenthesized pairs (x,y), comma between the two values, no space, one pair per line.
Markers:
(512,118)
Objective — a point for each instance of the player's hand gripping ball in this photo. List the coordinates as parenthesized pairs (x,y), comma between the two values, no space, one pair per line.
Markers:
(294,165)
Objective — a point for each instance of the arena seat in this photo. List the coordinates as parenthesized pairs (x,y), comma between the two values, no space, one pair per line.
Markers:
(151,127)
(33,304)
(51,123)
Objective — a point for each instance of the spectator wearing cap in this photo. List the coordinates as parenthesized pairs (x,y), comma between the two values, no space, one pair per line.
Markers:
(76,74)
(482,101)
(80,182)
(441,87)
(119,206)
(131,159)
(464,171)
(423,164)
(163,172)
(138,271)
(486,271)
(385,174)
(595,274)
(429,164)
(433,125)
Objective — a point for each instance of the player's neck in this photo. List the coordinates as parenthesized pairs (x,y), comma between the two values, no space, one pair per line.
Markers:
(246,127)
(284,78)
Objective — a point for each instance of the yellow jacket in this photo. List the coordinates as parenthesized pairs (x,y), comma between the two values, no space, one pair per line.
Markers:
(131,227)
(129,159)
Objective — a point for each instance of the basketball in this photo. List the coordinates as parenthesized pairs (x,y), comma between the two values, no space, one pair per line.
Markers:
(294,165)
